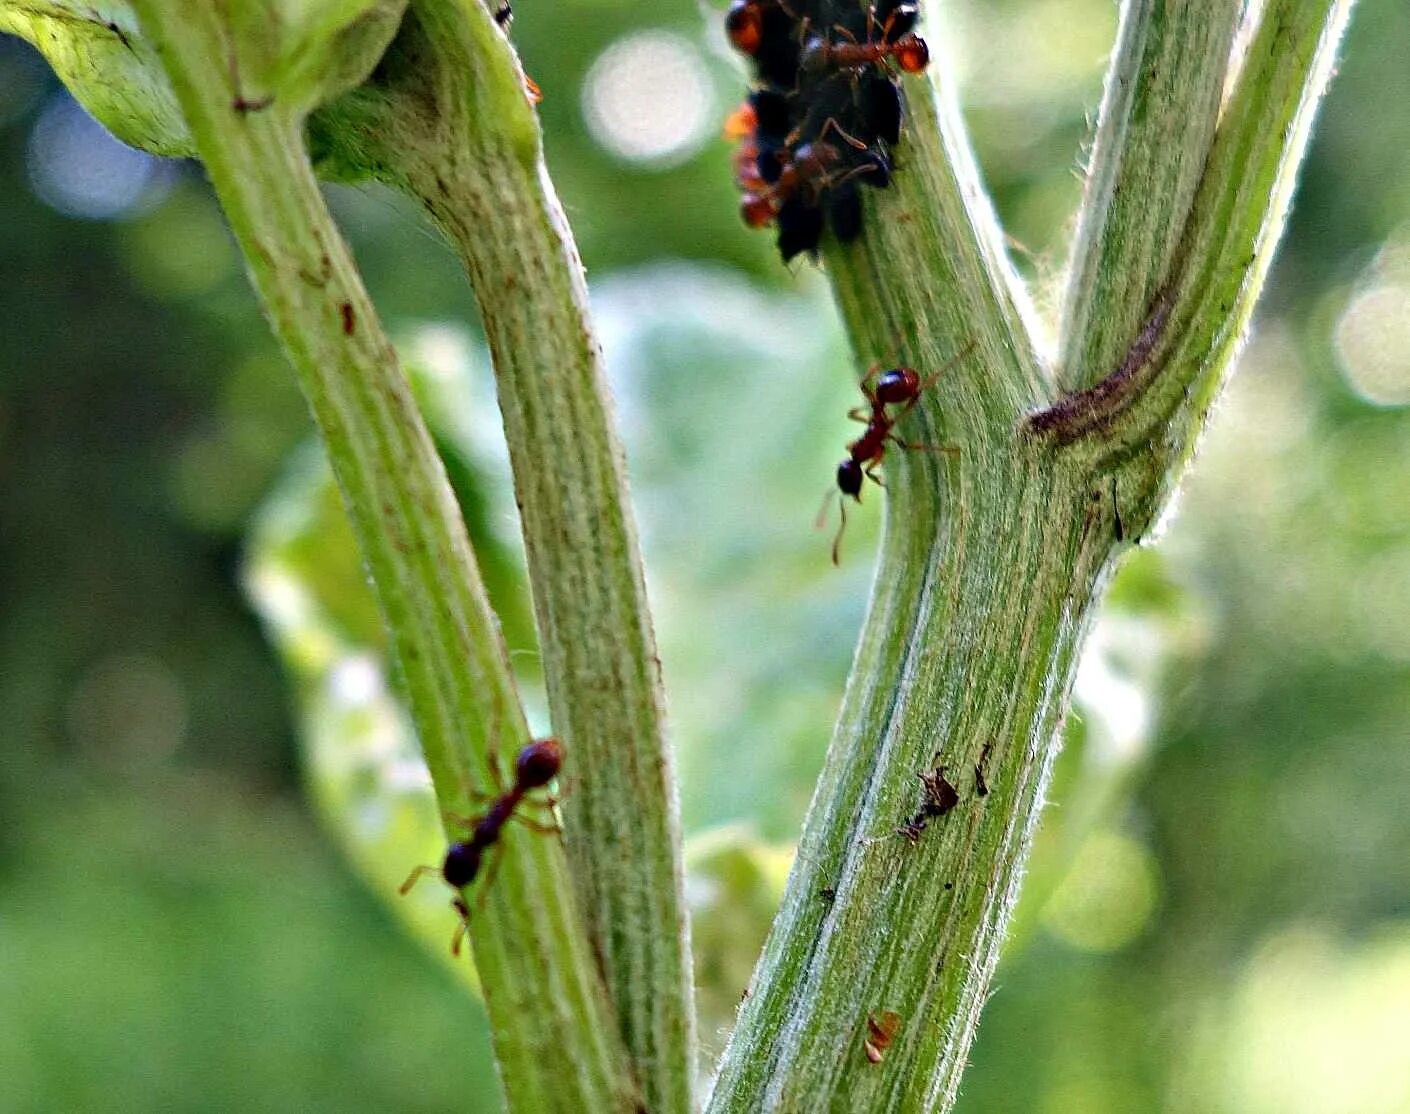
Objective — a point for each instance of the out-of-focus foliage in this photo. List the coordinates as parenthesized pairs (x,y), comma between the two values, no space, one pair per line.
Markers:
(1218,911)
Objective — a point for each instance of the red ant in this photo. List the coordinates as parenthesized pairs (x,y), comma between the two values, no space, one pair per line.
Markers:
(808,168)
(900,386)
(537,765)
(910,52)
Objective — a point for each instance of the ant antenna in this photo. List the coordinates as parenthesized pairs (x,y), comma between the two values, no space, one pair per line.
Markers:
(837,541)
(821,520)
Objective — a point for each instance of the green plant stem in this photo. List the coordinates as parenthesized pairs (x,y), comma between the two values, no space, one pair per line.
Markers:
(1154,133)
(990,566)
(554,1033)
(1143,421)
(986,575)
(463,141)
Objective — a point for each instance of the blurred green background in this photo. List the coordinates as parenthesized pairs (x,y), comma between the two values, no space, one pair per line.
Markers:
(1218,916)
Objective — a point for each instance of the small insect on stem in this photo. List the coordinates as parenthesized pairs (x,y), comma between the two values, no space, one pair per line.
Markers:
(536,766)
(1116,510)
(909,52)
(881,1031)
(940,797)
(981,781)
(900,386)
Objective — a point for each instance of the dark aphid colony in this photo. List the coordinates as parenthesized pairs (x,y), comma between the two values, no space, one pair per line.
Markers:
(825,114)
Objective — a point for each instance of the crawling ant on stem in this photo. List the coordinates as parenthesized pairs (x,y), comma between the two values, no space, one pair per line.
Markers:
(907,49)
(909,52)
(899,386)
(535,767)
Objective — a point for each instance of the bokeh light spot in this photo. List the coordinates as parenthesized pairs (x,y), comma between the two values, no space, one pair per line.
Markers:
(648,98)
(355,681)
(1108,896)
(1373,342)
(1319,1025)
(78,168)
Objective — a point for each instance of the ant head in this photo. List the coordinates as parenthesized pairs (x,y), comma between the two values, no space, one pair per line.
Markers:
(900,384)
(462,863)
(756,209)
(849,479)
(912,55)
(538,763)
(744,24)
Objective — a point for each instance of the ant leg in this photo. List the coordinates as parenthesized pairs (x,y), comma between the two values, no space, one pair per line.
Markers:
(489,880)
(885,27)
(414,877)
(458,904)
(492,752)
(870,474)
(538,826)
(926,384)
(837,541)
(859,414)
(852,140)
(567,787)
(925,447)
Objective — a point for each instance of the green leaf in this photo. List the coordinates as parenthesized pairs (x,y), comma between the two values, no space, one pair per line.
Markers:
(102,57)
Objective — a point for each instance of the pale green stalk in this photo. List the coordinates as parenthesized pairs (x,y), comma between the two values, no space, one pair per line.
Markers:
(994,558)
(446,120)
(554,1031)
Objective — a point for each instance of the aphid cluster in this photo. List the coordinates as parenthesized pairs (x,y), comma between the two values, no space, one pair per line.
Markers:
(825,115)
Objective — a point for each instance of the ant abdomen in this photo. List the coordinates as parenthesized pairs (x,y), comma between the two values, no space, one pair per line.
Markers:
(538,763)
